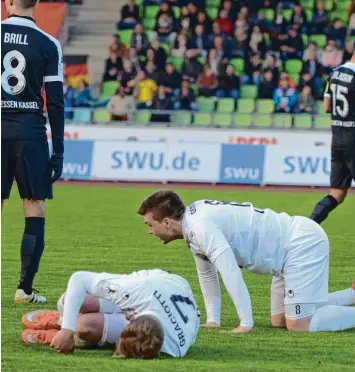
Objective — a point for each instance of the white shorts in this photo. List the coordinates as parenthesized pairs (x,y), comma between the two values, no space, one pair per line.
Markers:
(304,278)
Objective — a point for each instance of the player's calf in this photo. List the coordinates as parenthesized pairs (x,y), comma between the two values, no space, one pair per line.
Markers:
(278,320)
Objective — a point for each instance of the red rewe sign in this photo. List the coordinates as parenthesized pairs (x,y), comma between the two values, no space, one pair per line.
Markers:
(252,140)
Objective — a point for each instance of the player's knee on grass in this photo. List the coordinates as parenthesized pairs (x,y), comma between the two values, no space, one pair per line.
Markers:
(34,208)
(142,338)
(299,316)
(338,194)
(278,320)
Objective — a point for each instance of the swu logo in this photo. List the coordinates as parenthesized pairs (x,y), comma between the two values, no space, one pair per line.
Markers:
(73,169)
(241,173)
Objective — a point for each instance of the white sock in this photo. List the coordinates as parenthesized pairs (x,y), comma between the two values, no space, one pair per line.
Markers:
(60,304)
(332,318)
(113,326)
(342,298)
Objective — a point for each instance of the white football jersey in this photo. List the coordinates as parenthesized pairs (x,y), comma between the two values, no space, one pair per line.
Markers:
(258,237)
(155,292)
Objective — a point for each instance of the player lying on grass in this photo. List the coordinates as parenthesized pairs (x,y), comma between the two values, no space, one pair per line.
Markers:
(228,236)
(160,307)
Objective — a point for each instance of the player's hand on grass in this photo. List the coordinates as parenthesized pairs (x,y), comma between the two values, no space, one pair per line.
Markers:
(63,341)
(55,166)
(240,329)
(210,325)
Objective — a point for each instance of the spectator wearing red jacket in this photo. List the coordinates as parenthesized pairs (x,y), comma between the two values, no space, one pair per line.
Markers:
(225,23)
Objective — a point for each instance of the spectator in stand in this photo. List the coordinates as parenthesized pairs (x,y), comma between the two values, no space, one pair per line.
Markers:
(306,102)
(207,82)
(262,22)
(129,16)
(271,63)
(228,84)
(351,26)
(348,52)
(280,24)
(161,102)
(257,42)
(165,8)
(68,92)
(299,18)
(338,32)
(241,21)
(127,76)
(145,90)
(239,43)
(332,56)
(285,98)
(312,47)
(164,28)
(184,22)
(203,21)
(139,40)
(151,71)
(306,79)
(120,105)
(83,96)
(213,62)
(117,46)
(320,19)
(170,80)
(285,76)
(225,23)
(136,63)
(216,31)
(113,66)
(315,70)
(192,67)
(186,98)
(223,54)
(267,86)
(159,55)
(252,70)
(292,47)
(193,11)
(199,41)
(228,6)
(180,46)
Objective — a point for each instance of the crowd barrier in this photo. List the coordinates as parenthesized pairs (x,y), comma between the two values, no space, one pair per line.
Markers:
(253,157)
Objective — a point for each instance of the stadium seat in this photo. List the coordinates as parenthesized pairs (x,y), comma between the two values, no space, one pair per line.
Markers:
(101,116)
(125,36)
(109,88)
(287,13)
(320,108)
(293,66)
(176,10)
(269,14)
(242,120)
(322,121)
(328,5)
(183,117)
(151,11)
(149,24)
(238,64)
(307,4)
(194,87)
(265,106)
(309,14)
(295,77)
(305,40)
(205,104)
(142,116)
(201,118)
(319,39)
(246,106)
(343,5)
(282,121)
(166,46)
(303,121)
(263,120)
(177,62)
(213,3)
(222,120)
(150,35)
(82,115)
(212,13)
(225,105)
(249,91)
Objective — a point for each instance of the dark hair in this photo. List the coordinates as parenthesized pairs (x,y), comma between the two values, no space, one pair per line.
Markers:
(27,4)
(162,204)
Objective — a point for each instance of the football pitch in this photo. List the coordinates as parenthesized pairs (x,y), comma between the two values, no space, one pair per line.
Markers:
(96,228)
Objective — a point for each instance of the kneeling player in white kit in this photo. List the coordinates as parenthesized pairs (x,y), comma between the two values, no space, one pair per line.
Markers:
(227,236)
(160,314)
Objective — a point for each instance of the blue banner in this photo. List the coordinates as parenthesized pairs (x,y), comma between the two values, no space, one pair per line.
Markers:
(242,164)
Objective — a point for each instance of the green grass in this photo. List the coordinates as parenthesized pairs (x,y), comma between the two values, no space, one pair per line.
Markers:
(96,228)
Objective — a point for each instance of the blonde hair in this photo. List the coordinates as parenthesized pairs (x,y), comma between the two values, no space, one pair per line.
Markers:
(142,338)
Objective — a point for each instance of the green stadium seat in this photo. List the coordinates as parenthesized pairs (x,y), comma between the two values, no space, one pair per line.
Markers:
(322,121)
(267,39)
(101,116)
(307,4)
(109,88)
(149,23)
(246,106)
(125,36)
(151,11)
(343,5)
(287,13)
(205,104)
(176,10)
(282,121)
(177,62)
(202,118)
(295,77)
(194,87)
(303,121)
(82,115)
(212,13)
(183,117)
(249,91)
(293,66)
(265,106)
(263,120)
(138,2)
(319,39)
(309,14)
(142,116)
(328,5)
(269,14)
(225,105)
(342,14)
(166,46)
(150,35)
(320,108)
(305,40)
(243,120)
(222,120)
(238,64)
(213,3)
